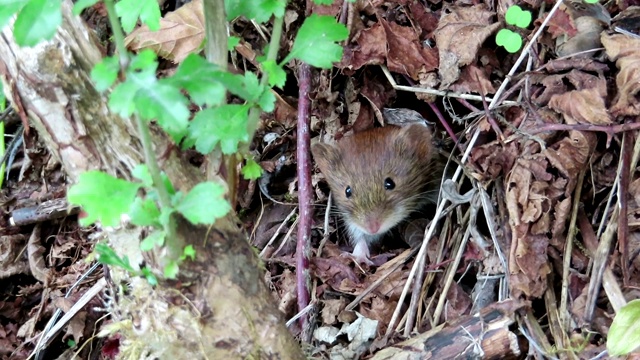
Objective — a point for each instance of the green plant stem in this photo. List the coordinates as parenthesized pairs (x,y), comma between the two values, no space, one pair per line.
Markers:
(118,34)
(173,243)
(272,54)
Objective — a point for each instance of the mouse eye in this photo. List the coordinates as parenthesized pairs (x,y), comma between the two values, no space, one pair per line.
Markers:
(347,192)
(389,184)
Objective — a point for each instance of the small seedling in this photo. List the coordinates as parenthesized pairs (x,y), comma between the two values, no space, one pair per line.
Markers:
(510,40)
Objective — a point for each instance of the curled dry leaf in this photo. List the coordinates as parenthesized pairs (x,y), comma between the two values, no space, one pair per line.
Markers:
(582,106)
(181,33)
(460,33)
(569,156)
(406,54)
(625,51)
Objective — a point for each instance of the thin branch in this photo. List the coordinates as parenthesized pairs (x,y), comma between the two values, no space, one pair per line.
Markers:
(305,192)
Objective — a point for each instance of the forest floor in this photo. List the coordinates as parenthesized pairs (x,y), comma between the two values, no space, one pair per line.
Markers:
(541,240)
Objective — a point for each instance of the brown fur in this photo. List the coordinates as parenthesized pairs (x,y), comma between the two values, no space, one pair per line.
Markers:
(363,162)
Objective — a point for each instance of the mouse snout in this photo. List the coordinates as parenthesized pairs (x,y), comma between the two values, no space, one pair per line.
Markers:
(372,224)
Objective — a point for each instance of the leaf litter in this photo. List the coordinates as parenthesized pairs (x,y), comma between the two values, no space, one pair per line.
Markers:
(551,175)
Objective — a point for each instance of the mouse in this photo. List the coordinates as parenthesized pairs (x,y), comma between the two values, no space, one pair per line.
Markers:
(377,178)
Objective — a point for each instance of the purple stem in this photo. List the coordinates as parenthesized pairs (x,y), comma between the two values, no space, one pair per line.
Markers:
(305,190)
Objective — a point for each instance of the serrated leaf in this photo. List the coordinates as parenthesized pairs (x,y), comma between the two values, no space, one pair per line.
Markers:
(624,333)
(188,252)
(108,256)
(232,42)
(144,213)
(204,204)
(141,172)
(267,101)
(80,5)
(225,126)
(151,278)
(165,104)
(8,8)
(45,13)
(316,40)
(121,99)
(171,270)
(130,10)
(251,170)
(277,75)
(258,10)
(154,239)
(103,197)
(197,76)
(105,73)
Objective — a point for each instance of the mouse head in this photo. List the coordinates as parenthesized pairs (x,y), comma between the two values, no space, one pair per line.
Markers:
(378,177)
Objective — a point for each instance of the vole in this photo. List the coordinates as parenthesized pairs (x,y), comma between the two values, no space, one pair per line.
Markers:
(377,178)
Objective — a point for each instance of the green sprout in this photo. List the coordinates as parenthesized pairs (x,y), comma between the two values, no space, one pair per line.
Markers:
(508,39)
(591,1)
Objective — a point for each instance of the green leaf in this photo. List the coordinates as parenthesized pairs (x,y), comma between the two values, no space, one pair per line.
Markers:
(8,8)
(166,104)
(144,213)
(323,2)
(277,75)
(267,101)
(130,10)
(204,204)
(198,77)
(80,5)
(141,172)
(188,252)
(251,170)
(518,17)
(232,42)
(511,41)
(258,10)
(105,73)
(151,278)
(154,239)
(225,125)
(121,99)
(624,333)
(103,197)
(171,270)
(108,256)
(316,44)
(38,20)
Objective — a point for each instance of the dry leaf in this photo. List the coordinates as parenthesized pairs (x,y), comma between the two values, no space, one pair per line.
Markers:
(181,33)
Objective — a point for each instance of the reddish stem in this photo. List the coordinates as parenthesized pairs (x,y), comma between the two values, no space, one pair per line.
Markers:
(305,190)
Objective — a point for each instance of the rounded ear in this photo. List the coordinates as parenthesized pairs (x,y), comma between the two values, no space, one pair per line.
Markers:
(417,138)
(325,154)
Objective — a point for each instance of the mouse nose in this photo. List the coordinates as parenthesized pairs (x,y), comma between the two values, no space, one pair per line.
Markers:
(372,225)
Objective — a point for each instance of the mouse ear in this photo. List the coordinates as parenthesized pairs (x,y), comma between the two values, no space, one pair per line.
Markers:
(416,137)
(325,154)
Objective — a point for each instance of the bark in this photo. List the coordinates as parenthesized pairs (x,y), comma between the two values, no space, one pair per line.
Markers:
(226,310)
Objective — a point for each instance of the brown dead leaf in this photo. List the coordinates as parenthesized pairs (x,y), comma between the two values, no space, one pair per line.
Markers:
(458,302)
(625,51)
(570,156)
(406,54)
(11,261)
(460,33)
(370,48)
(473,79)
(331,308)
(561,24)
(582,106)
(181,33)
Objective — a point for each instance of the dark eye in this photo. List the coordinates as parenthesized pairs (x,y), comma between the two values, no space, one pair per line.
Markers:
(347,192)
(389,184)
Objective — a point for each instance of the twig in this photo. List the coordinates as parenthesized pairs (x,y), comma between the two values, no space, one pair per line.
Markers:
(431,91)
(623,221)
(305,192)
(565,316)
